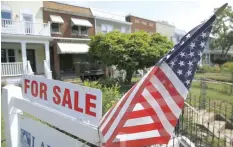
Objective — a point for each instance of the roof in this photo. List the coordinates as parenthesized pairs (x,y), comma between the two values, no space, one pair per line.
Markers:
(107,15)
(139,17)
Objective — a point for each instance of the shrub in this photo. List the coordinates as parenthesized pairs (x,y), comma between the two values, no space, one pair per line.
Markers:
(207,68)
(228,67)
(110,95)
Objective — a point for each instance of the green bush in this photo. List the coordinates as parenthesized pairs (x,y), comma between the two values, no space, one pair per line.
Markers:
(110,95)
(228,67)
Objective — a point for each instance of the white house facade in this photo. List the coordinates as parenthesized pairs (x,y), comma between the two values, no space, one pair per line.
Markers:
(106,22)
(25,41)
(165,29)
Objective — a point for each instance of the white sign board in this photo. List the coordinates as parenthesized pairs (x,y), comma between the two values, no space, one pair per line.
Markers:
(78,101)
(36,134)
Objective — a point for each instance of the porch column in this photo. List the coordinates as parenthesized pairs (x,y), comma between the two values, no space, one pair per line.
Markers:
(24,55)
(47,55)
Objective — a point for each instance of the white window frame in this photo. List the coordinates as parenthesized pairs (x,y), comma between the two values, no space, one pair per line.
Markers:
(151,24)
(144,23)
(59,29)
(123,29)
(102,28)
(137,21)
(79,33)
(7,56)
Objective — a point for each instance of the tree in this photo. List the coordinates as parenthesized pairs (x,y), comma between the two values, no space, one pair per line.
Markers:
(223,30)
(128,52)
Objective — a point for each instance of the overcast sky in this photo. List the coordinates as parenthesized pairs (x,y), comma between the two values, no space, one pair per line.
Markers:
(184,14)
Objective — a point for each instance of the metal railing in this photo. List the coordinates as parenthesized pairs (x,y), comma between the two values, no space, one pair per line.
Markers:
(26,28)
(12,69)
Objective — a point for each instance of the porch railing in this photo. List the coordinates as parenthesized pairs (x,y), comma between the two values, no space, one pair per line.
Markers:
(26,28)
(12,69)
(48,72)
(29,69)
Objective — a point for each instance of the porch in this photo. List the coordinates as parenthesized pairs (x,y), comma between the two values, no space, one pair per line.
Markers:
(18,58)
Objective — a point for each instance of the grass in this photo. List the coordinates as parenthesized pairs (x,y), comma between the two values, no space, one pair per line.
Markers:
(223,76)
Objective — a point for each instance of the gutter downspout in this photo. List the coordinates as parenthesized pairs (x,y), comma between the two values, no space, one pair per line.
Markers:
(95,24)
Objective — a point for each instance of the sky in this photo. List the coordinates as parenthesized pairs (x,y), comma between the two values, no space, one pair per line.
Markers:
(184,14)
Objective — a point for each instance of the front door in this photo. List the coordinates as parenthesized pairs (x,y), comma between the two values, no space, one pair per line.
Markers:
(31,57)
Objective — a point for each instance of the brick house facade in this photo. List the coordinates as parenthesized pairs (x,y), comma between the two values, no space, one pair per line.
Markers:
(141,24)
(62,61)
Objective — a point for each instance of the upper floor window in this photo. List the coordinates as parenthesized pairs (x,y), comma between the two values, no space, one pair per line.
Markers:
(6,14)
(137,21)
(80,30)
(144,23)
(7,55)
(56,28)
(123,29)
(106,28)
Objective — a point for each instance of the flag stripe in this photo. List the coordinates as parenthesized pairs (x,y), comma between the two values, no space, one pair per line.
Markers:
(166,124)
(135,136)
(115,111)
(141,128)
(138,121)
(106,115)
(110,128)
(166,96)
(139,113)
(137,107)
(183,91)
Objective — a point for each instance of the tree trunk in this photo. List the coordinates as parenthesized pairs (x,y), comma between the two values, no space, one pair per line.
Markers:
(128,78)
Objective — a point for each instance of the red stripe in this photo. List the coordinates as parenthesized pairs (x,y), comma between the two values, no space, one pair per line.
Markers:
(139,113)
(129,109)
(162,103)
(106,128)
(170,88)
(140,142)
(141,128)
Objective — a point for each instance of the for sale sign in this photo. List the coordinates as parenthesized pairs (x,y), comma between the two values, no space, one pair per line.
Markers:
(83,103)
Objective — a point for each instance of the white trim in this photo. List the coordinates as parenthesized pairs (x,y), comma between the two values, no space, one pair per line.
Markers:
(112,20)
(78,39)
(137,136)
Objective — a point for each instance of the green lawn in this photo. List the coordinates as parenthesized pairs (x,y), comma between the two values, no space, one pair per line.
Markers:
(226,77)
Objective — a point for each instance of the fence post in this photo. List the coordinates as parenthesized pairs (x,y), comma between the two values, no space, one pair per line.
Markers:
(10,114)
(202,102)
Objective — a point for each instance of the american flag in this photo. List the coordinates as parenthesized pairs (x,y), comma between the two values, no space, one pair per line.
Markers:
(148,112)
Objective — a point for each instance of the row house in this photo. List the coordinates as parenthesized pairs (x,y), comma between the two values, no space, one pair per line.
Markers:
(25,41)
(139,24)
(165,29)
(106,22)
(71,27)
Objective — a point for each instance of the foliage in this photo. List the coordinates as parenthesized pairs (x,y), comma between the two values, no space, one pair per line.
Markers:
(110,95)
(223,30)
(207,68)
(228,66)
(128,52)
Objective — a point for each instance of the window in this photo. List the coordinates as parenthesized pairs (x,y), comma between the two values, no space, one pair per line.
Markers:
(123,29)
(136,30)
(6,14)
(151,24)
(7,55)
(55,27)
(84,31)
(137,21)
(144,23)
(106,28)
(80,30)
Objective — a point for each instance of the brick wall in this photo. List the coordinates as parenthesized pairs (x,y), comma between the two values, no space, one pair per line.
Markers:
(141,24)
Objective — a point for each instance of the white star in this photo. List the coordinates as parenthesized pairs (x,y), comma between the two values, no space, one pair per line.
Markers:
(188,36)
(189,72)
(182,43)
(203,35)
(190,63)
(187,82)
(179,72)
(181,63)
(192,45)
(191,54)
(172,49)
(168,56)
(202,44)
(182,54)
(172,63)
